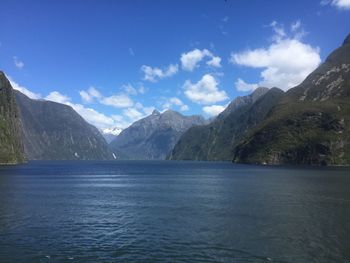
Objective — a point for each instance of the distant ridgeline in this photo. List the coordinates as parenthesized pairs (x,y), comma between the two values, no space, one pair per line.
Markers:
(309,124)
(153,137)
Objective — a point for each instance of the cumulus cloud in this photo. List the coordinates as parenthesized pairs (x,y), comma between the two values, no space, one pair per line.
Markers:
(18,63)
(205,91)
(117,101)
(213,110)
(23,89)
(340,4)
(89,96)
(190,60)
(174,101)
(155,74)
(134,89)
(241,85)
(214,62)
(133,114)
(285,63)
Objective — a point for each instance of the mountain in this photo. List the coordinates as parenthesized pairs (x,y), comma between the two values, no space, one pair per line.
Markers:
(110,133)
(54,131)
(11,147)
(310,125)
(153,137)
(216,141)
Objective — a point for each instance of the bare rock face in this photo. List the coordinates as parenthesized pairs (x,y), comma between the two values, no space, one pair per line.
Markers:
(11,147)
(153,137)
(311,123)
(53,131)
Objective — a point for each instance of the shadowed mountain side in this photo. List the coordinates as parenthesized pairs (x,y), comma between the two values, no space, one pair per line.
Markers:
(11,147)
(54,131)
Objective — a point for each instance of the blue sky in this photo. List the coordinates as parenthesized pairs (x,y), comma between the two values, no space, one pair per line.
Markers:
(115,61)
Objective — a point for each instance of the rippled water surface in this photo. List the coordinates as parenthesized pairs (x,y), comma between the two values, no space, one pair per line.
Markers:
(173,212)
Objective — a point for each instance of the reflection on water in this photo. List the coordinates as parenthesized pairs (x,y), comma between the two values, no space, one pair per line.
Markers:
(173,212)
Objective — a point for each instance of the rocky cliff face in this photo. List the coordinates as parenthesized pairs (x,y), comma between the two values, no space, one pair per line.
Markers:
(153,137)
(311,123)
(53,131)
(11,147)
(216,141)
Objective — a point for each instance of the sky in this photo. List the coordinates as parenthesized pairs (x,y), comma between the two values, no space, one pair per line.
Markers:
(115,62)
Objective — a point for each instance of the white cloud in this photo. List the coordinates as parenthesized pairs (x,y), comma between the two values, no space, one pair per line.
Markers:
(148,110)
(155,74)
(285,63)
(85,96)
(120,121)
(94,117)
(184,108)
(133,114)
(295,26)
(205,91)
(58,97)
(340,4)
(190,59)
(214,62)
(117,101)
(90,95)
(18,63)
(278,29)
(213,110)
(23,90)
(129,89)
(241,85)
(174,101)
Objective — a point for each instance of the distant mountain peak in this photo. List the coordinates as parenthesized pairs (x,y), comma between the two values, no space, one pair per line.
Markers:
(258,93)
(154,136)
(155,112)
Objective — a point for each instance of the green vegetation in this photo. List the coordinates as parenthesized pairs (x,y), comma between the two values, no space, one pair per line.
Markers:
(311,123)
(217,140)
(11,148)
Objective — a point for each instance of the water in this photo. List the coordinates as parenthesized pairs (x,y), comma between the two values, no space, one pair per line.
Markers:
(173,212)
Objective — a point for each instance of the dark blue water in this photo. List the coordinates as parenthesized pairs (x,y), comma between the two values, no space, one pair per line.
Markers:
(173,212)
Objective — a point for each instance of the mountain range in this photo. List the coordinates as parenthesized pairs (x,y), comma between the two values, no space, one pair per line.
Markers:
(153,137)
(308,124)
